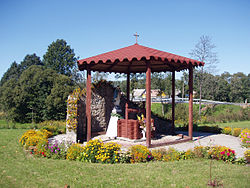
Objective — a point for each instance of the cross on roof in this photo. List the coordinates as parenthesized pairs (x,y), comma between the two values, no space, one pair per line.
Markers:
(136,35)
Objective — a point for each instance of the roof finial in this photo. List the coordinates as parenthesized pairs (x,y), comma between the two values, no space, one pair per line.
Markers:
(136,35)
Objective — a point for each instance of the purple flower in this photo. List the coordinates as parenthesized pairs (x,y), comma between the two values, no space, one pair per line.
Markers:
(58,149)
(55,151)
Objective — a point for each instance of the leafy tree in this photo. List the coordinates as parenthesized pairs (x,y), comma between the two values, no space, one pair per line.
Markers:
(39,94)
(12,73)
(239,87)
(7,96)
(30,60)
(61,58)
(157,82)
(16,70)
(55,101)
(203,51)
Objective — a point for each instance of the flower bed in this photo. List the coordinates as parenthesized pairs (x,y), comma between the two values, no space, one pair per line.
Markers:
(95,151)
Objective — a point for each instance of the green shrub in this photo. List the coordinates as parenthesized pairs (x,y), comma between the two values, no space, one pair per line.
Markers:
(172,155)
(74,152)
(33,137)
(91,150)
(189,154)
(109,154)
(245,137)
(96,151)
(56,150)
(247,155)
(210,129)
(236,132)
(200,151)
(221,153)
(140,153)
(227,130)
(42,148)
(158,154)
(56,127)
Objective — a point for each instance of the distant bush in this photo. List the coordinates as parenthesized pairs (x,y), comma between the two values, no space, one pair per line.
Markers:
(56,127)
(210,113)
(2,115)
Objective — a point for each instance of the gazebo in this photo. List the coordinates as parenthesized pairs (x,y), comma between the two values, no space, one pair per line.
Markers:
(140,59)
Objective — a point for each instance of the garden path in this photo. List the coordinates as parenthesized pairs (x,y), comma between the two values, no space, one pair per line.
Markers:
(199,139)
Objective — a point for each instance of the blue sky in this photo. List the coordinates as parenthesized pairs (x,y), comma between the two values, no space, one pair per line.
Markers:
(93,27)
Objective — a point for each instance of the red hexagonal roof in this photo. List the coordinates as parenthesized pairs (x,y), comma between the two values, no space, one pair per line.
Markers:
(133,59)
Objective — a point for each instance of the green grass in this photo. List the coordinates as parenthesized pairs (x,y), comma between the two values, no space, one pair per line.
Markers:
(239,124)
(11,125)
(19,169)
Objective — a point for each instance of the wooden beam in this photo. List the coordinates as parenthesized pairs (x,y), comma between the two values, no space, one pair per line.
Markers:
(126,105)
(190,84)
(148,104)
(173,101)
(88,104)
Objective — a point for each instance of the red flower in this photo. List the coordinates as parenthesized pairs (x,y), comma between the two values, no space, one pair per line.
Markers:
(233,151)
(228,154)
(222,153)
(42,153)
(31,152)
(229,150)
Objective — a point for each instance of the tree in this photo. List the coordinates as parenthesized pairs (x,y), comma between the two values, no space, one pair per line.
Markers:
(56,101)
(39,94)
(61,58)
(203,51)
(222,90)
(12,73)
(239,87)
(30,60)
(157,82)
(16,70)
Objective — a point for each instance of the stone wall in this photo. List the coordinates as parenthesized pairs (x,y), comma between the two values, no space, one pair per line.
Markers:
(101,108)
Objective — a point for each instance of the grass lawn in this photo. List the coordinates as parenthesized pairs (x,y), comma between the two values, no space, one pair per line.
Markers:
(18,169)
(4,124)
(238,124)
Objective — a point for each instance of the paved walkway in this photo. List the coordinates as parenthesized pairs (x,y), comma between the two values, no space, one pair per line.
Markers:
(208,139)
(199,139)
